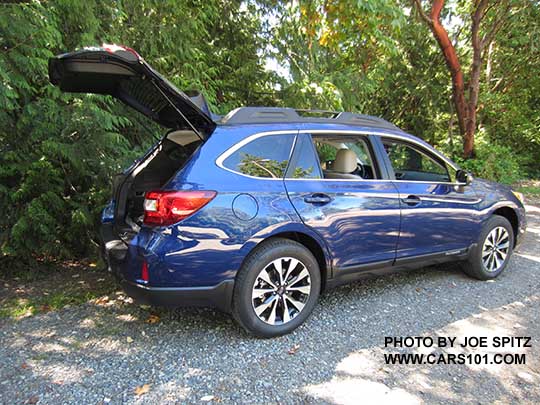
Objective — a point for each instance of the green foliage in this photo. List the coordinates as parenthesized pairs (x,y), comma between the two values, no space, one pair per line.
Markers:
(260,167)
(494,162)
(530,190)
(58,151)
(340,58)
(326,152)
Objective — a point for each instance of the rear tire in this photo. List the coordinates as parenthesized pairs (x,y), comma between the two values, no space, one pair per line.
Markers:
(276,289)
(492,253)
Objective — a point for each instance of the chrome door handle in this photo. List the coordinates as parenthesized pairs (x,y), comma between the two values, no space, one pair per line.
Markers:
(317,198)
(412,200)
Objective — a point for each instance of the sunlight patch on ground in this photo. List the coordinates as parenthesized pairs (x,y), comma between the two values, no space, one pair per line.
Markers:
(488,325)
(362,376)
(360,391)
(61,374)
(532,208)
(360,363)
(169,392)
(530,257)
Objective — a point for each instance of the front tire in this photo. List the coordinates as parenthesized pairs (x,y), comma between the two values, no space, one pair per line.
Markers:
(277,288)
(492,253)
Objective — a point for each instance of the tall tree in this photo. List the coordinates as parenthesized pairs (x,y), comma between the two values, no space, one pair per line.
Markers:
(487,18)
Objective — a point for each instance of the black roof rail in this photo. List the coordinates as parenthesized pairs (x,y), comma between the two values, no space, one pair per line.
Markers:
(266,115)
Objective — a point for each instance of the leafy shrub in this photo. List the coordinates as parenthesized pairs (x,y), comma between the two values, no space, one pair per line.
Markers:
(494,162)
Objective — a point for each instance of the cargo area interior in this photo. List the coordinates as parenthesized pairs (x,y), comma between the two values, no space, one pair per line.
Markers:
(153,172)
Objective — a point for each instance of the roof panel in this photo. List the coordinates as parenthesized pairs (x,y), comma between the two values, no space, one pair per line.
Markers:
(267,115)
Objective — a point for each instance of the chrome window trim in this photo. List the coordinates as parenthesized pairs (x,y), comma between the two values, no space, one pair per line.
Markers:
(385,135)
(219,161)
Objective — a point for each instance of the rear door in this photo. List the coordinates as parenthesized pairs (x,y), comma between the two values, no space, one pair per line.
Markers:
(358,218)
(122,73)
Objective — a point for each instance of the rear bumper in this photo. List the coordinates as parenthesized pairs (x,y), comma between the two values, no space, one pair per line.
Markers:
(219,296)
(117,257)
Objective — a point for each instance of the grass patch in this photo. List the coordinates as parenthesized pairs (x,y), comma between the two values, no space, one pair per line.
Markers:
(43,289)
(16,308)
(530,190)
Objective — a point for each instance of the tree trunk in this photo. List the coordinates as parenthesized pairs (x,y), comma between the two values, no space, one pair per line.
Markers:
(452,61)
(474,84)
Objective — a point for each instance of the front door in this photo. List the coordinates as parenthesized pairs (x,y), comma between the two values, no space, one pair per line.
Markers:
(436,216)
(355,212)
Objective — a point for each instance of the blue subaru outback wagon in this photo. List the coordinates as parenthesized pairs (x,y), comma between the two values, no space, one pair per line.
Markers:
(257,212)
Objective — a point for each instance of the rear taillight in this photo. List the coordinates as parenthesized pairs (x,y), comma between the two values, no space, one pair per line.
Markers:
(168,207)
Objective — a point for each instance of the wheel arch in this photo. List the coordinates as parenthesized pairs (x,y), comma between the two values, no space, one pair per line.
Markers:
(313,246)
(511,215)
(309,240)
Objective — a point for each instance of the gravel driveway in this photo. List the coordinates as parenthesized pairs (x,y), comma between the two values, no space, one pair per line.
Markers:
(108,351)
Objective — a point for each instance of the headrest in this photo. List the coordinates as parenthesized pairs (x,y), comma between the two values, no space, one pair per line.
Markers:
(345,161)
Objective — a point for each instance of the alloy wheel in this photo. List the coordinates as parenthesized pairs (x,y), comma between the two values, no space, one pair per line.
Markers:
(495,249)
(281,291)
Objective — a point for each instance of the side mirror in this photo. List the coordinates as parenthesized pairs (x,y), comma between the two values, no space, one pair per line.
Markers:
(463,177)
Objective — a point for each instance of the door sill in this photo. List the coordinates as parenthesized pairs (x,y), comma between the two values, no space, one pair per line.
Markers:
(344,275)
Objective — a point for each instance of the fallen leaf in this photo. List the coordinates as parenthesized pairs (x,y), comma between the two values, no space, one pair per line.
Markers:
(418,289)
(102,300)
(142,389)
(25,366)
(294,349)
(207,398)
(92,265)
(45,308)
(32,400)
(129,339)
(153,318)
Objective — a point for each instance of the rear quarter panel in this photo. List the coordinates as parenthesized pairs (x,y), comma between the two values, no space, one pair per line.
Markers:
(209,246)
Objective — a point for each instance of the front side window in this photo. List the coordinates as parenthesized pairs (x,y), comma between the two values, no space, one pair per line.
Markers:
(414,164)
(267,157)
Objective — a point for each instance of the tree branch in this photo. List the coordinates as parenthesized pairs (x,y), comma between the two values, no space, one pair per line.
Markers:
(477,17)
(425,17)
(488,38)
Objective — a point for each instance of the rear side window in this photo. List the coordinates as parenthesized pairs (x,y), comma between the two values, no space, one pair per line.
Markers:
(267,156)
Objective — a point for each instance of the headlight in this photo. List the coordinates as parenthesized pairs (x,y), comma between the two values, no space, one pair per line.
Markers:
(519,196)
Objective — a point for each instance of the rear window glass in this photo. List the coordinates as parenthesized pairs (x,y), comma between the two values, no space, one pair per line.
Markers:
(267,156)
